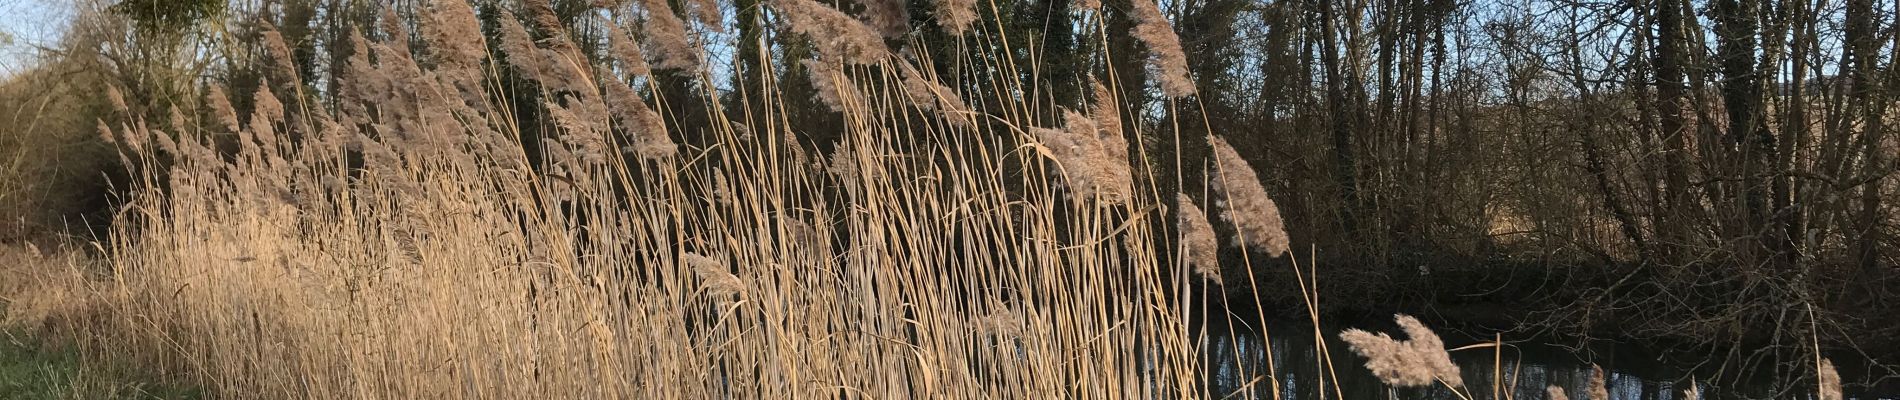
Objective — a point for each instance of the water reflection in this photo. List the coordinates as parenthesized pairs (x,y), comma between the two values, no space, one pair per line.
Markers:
(1237,367)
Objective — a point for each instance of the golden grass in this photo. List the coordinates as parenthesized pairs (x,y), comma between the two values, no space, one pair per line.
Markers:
(407,245)
(621,265)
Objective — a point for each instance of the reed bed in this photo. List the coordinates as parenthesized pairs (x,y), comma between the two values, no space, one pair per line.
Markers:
(408,243)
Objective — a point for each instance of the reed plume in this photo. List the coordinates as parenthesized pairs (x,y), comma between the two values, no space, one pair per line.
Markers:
(890,17)
(455,34)
(1694,392)
(1599,383)
(1197,240)
(395,35)
(1415,362)
(1107,113)
(116,99)
(929,95)
(542,13)
(718,280)
(626,52)
(105,133)
(221,109)
(832,86)
(1555,393)
(1245,203)
(1829,381)
(650,140)
(834,33)
(709,14)
(265,112)
(955,16)
(668,36)
(278,53)
(1164,49)
(1096,163)
(519,48)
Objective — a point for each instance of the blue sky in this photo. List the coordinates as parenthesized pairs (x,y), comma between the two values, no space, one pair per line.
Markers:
(25,24)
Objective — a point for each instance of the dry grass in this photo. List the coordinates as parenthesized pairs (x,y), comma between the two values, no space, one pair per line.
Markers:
(1419,360)
(1555,393)
(1197,240)
(1827,380)
(1599,383)
(620,264)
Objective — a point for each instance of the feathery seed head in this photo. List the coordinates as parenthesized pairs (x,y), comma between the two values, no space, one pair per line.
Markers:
(393,27)
(519,47)
(1164,48)
(890,17)
(1599,383)
(626,51)
(1246,204)
(650,140)
(117,99)
(1556,393)
(1829,381)
(1097,164)
(105,133)
(281,62)
(667,34)
(1197,239)
(833,32)
(955,16)
(455,34)
(221,109)
(834,88)
(709,14)
(1416,362)
(718,280)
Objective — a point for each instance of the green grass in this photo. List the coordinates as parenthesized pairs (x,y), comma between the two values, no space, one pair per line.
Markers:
(29,371)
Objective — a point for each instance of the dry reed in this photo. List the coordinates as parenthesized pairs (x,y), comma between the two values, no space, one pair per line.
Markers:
(669,38)
(955,16)
(1418,361)
(832,86)
(1827,380)
(1164,49)
(1245,203)
(626,52)
(350,256)
(1096,163)
(1554,392)
(833,32)
(709,14)
(455,34)
(1599,383)
(1197,240)
(890,17)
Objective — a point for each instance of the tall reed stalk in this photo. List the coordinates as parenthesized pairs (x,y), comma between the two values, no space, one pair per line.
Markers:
(408,244)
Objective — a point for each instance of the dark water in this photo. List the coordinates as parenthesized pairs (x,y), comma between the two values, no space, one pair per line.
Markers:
(1237,364)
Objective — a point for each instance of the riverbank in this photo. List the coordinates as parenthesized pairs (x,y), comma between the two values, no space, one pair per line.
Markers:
(1678,322)
(31,369)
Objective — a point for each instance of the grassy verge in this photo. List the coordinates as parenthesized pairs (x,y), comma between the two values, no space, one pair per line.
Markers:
(32,371)
(38,358)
